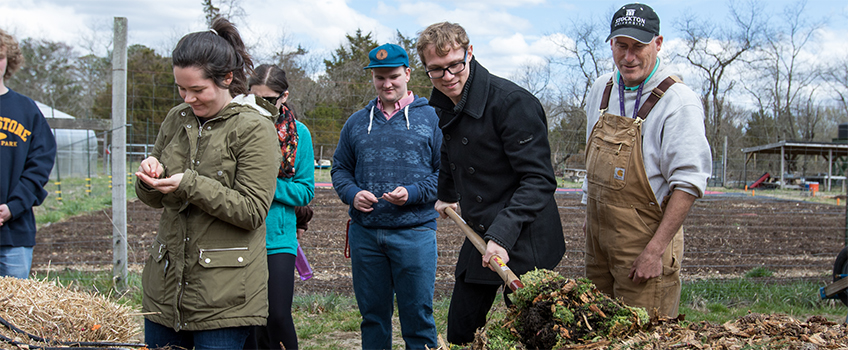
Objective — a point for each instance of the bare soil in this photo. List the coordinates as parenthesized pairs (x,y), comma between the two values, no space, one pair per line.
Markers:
(726,235)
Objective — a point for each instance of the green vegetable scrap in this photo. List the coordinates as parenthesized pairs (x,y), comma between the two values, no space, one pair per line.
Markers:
(552,311)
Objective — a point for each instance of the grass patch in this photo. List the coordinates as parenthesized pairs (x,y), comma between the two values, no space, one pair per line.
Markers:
(724,300)
(759,272)
(326,321)
(74,198)
(323,175)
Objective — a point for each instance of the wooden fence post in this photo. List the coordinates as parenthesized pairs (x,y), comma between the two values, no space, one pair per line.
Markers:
(119,157)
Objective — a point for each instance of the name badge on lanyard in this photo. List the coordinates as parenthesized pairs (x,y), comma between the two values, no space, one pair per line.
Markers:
(621,97)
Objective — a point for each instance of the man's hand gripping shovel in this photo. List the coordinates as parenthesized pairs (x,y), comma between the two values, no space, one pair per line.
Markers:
(500,267)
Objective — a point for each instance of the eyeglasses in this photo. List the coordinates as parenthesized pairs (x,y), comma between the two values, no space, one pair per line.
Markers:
(272,99)
(454,69)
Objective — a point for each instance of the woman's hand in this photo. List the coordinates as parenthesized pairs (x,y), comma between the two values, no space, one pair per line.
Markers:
(151,167)
(166,185)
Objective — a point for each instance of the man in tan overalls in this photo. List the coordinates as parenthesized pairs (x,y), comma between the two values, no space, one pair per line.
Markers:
(647,160)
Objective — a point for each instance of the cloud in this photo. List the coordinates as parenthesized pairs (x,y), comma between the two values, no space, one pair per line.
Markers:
(479,19)
(504,55)
(50,17)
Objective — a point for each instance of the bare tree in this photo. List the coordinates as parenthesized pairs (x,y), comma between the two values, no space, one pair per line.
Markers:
(787,76)
(535,77)
(714,50)
(837,76)
(810,116)
(229,9)
(92,71)
(584,56)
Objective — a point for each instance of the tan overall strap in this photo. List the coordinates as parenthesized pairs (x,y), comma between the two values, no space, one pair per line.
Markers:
(606,97)
(655,96)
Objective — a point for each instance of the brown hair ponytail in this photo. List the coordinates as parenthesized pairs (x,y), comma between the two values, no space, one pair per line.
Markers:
(216,52)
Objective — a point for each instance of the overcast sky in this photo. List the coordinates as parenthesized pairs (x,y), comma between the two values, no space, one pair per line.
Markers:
(505,33)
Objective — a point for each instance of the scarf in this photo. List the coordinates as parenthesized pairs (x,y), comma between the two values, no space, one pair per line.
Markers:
(287,133)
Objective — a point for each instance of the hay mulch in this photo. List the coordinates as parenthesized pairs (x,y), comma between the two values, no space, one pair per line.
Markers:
(757,331)
(53,312)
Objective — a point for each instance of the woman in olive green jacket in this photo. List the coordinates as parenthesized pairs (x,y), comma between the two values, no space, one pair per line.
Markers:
(213,171)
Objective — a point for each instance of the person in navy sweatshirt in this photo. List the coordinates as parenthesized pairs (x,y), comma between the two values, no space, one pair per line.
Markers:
(27,153)
(386,167)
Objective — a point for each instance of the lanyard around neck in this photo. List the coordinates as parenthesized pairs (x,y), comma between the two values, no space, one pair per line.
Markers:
(621,96)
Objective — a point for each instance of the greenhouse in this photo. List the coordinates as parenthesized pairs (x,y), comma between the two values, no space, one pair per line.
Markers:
(76,153)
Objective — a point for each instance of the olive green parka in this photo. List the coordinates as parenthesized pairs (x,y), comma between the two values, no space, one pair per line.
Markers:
(207,268)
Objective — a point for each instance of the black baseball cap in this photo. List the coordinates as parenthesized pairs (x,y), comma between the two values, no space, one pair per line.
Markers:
(636,21)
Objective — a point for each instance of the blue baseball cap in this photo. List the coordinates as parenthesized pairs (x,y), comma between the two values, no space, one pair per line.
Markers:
(388,55)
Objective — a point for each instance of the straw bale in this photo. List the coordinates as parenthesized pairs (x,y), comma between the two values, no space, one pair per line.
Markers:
(49,310)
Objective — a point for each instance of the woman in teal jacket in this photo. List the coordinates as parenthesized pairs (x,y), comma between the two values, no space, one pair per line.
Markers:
(295,187)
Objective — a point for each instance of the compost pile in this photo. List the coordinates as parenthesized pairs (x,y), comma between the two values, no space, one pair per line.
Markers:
(554,312)
(60,316)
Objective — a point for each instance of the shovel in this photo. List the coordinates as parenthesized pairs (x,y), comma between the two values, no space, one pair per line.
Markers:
(495,261)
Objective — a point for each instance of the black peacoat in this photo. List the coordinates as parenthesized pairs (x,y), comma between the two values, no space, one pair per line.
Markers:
(496,162)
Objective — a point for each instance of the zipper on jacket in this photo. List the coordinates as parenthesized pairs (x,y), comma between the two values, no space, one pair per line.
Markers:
(200,124)
(179,310)
(236,249)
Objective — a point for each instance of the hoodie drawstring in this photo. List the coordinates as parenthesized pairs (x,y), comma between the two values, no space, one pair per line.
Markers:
(405,115)
(371,121)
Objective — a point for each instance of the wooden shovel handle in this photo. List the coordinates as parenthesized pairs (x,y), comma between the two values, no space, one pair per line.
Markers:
(495,261)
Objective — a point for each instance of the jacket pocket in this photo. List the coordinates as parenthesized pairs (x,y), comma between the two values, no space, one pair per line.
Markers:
(157,274)
(223,276)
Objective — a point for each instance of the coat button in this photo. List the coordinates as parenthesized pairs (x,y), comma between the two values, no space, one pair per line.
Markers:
(220,173)
(481,227)
(479,199)
(188,126)
(464,140)
(240,259)
(182,114)
(447,137)
(208,260)
(471,170)
(453,166)
(208,128)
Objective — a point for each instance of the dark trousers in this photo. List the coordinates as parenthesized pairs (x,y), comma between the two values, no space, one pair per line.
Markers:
(158,336)
(280,329)
(470,303)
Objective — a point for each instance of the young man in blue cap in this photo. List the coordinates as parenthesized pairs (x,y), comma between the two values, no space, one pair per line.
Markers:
(647,160)
(386,167)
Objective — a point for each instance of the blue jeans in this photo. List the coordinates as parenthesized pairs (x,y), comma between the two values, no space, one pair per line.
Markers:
(158,336)
(388,262)
(15,261)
